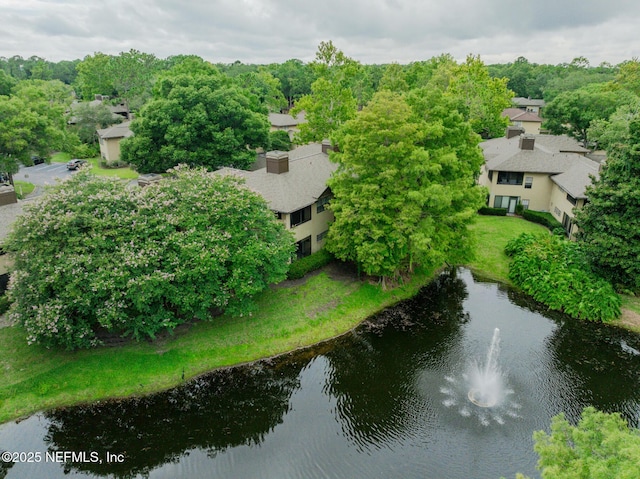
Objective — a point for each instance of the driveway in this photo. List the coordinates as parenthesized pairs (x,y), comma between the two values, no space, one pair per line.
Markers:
(42,175)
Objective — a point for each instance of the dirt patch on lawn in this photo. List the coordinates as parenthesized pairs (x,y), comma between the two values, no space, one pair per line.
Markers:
(630,319)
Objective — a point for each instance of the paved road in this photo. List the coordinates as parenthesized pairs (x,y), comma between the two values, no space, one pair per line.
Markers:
(43,174)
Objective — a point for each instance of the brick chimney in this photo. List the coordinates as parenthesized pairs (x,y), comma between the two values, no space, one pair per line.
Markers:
(512,131)
(277,162)
(527,142)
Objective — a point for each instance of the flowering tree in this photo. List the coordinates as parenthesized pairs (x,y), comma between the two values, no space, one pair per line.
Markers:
(94,256)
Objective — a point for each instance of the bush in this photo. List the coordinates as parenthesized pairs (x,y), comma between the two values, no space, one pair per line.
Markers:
(487,211)
(4,303)
(317,260)
(543,218)
(279,140)
(95,257)
(556,272)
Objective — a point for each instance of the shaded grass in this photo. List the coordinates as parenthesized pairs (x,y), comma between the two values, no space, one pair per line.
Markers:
(492,235)
(34,378)
(125,173)
(23,188)
(60,157)
(631,302)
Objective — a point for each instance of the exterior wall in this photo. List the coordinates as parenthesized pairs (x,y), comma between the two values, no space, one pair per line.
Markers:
(318,224)
(559,205)
(530,127)
(110,149)
(538,195)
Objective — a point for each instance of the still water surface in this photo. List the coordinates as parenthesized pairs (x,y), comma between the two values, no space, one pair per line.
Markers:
(386,401)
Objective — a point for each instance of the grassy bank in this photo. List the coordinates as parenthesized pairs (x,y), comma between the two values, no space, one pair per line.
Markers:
(33,378)
(492,235)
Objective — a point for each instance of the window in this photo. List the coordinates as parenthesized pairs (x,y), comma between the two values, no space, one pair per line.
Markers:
(278,214)
(320,204)
(303,247)
(501,202)
(571,199)
(525,204)
(510,178)
(300,216)
(528,181)
(321,236)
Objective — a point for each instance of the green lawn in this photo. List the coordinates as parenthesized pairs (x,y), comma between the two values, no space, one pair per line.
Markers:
(23,188)
(492,235)
(125,173)
(33,378)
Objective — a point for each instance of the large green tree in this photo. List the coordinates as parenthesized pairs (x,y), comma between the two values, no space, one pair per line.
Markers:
(32,121)
(404,189)
(600,446)
(95,256)
(610,221)
(197,117)
(332,100)
(572,112)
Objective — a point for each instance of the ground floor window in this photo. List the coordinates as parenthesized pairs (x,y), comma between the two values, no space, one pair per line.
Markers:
(303,247)
(507,202)
(525,204)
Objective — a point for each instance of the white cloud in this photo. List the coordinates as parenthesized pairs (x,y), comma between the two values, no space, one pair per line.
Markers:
(372,31)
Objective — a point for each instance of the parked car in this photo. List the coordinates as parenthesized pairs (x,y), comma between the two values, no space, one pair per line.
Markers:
(75,164)
(37,159)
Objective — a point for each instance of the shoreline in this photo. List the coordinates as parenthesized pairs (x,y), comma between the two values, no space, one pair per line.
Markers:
(118,372)
(290,316)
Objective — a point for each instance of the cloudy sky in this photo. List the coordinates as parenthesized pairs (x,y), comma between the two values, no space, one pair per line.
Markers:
(371,31)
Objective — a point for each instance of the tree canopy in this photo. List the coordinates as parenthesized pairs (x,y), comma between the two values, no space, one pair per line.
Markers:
(94,256)
(197,117)
(610,221)
(404,189)
(572,112)
(600,446)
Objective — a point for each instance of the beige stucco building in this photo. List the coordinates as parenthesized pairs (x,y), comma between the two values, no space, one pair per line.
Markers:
(530,122)
(286,122)
(110,139)
(540,172)
(294,183)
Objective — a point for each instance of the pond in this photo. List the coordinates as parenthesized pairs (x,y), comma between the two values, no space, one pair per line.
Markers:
(390,400)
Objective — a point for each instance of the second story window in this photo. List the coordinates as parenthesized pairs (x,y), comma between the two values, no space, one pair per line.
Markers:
(510,178)
(321,203)
(301,216)
(528,181)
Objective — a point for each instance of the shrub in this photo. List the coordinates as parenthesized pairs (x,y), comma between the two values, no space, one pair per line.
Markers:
(94,256)
(302,266)
(542,217)
(486,210)
(279,140)
(4,303)
(556,272)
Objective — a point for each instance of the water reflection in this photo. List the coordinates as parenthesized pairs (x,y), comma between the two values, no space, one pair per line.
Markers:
(375,370)
(368,404)
(225,409)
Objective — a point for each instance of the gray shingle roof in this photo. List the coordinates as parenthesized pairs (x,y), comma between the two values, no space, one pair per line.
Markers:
(121,130)
(551,154)
(302,185)
(559,156)
(576,179)
(521,101)
(281,120)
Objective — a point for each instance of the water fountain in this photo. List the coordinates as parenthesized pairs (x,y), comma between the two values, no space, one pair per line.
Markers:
(487,389)
(483,385)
